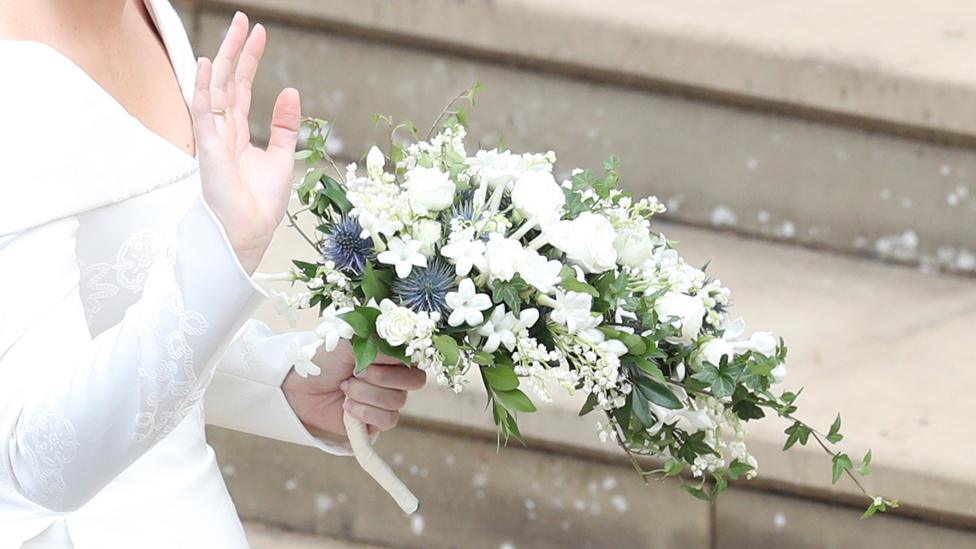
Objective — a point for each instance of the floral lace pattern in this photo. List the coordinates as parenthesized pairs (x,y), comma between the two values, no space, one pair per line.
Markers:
(132,264)
(49,441)
(175,376)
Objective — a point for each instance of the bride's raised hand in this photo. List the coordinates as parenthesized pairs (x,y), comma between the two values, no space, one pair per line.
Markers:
(247,187)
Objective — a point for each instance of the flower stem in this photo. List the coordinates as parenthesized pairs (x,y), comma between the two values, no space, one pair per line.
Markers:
(293,222)
(525,228)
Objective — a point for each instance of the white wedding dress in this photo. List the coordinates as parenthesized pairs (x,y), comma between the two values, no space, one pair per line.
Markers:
(120,299)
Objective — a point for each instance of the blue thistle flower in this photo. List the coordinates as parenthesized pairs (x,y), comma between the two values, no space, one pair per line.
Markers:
(425,289)
(344,247)
(464,208)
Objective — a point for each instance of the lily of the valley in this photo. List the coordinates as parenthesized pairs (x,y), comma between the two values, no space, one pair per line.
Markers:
(467,305)
(404,255)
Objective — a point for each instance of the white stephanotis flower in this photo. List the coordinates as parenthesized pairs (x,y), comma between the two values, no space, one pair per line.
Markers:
(467,305)
(331,328)
(572,309)
(429,190)
(396,325)
(300,356)
(498,330)
(466,255)
(541,273)
(685,312)
(404,255)
(501,256)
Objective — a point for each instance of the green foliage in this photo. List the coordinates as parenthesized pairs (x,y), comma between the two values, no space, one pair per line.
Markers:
(365,350)
(376,283)
(509,293)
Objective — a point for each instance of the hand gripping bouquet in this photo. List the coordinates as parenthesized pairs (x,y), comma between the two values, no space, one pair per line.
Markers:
(484,265)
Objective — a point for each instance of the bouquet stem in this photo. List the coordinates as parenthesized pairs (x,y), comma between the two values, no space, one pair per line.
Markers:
(374,465)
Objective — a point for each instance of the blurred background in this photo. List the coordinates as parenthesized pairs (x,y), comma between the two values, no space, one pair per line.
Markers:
(820,153)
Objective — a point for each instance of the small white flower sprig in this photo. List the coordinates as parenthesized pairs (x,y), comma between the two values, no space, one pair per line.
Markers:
(461,262)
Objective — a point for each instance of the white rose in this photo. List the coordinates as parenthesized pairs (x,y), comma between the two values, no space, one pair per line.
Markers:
(634,246)
(779,373)
(763,343)
(536,194)
(689,311)
(395,324)
(587,241)
(429,190)
(427,232)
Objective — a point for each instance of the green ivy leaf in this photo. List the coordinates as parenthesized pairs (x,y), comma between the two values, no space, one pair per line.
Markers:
(335,193)
(365,350)
(865,468)
(588,405)
(376,284)
(509,292)
(841,463)
(834,435)
(362,320)
(398,353)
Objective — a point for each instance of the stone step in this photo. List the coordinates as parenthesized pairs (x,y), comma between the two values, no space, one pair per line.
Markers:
(886,346)
(852,131)
(262,536)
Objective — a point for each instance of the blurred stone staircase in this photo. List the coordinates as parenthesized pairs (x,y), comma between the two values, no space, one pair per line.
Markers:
(796,144)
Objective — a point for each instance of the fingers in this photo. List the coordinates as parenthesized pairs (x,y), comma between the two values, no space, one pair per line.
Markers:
(395,377)
(203,117)
(247,67)
(380,397)
(225,63)
(382,420)
(284,122)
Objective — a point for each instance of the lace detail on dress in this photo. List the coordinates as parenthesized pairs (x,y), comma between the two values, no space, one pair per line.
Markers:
(176,379)
(49,443)
(132,264)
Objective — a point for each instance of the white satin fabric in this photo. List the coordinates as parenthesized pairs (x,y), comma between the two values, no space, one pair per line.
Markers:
(120,298)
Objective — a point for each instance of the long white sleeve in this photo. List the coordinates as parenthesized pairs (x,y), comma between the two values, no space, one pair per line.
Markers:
(75,411)
(245,394)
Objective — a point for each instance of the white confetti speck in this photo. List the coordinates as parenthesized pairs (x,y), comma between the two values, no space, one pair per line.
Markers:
(479,479)
(609,483)
(529,503)
(885,194)
(906,203)
(291,484)
(619,503)
(779,521)
(763,216)
(229,470)
(323,503)
(398,459)
(723,215)
(945,170)
(752,163)
(506,545)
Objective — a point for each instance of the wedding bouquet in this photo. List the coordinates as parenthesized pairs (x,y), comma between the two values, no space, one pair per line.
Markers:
(485,266)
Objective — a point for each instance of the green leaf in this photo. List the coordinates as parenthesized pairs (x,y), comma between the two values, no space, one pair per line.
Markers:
(673,467)
(658,393)
(398,353)
(509,292)
(376,284)
(588,405)
(635,344)
(336,194)
(447,346)
(365,350)
(865,468)
(841,463)
(834,435)
(642,410)
(573,285)
(308,269)
(515,401)
(362,320)
(482,358)
(500,377)
(738,468)
(303,154)
(623,413)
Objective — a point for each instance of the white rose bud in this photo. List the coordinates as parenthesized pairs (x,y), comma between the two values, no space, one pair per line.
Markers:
(427,232)
(587,241)
(396,325)
(429,190)
(634,246)
(689,312)
(536,194)
(375,162)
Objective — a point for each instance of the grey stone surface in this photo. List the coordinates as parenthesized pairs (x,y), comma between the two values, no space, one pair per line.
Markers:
(721,166)
(261,536)
(756,520)
(894,60)
(472,495)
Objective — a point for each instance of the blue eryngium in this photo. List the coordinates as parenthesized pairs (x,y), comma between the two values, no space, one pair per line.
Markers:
(346,248)
(425,289)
